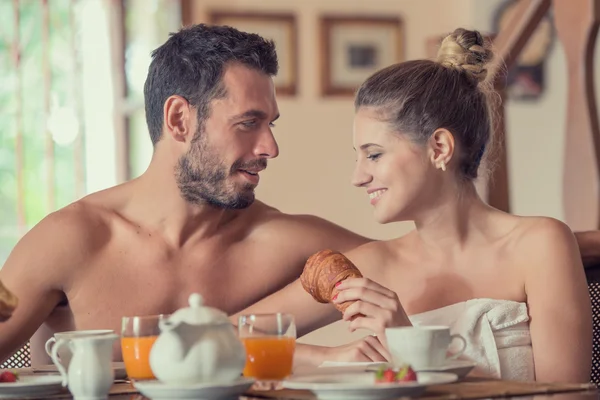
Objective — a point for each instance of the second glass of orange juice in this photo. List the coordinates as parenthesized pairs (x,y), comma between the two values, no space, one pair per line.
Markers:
(138,334)
(270,341)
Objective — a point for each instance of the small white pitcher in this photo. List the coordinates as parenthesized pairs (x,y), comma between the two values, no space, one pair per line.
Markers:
(65,352)
(91,373)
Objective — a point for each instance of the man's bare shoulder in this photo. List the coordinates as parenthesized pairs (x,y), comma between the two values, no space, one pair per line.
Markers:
(82,218)
(304,229)
(64,237)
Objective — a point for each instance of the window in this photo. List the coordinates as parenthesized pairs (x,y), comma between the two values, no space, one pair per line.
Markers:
(68,84)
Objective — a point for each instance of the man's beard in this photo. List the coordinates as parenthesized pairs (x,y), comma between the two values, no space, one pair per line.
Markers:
(202,177)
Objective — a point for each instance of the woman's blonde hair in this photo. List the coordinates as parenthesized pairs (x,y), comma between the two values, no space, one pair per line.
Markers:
(420,96)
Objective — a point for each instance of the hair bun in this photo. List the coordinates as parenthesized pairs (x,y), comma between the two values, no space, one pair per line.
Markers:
(466,50)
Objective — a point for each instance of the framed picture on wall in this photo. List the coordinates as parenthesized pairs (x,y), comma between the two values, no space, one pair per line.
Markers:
(353,48)
(281,28)
(526,78)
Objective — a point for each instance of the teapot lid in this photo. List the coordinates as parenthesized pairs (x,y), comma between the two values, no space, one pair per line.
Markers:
(198,314)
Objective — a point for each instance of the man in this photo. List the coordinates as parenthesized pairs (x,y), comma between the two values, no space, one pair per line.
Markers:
(190,223)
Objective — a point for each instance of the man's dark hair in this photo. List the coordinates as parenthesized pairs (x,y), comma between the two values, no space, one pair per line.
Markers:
(191,64)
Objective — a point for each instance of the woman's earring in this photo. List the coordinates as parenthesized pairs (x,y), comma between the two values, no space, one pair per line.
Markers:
(443,166)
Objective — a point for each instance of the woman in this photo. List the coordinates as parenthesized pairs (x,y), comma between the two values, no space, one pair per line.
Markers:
(514,286)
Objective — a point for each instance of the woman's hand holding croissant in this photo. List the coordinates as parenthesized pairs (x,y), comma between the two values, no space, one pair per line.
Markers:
(379,306)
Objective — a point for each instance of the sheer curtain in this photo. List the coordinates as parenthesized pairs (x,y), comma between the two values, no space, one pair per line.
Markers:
(71,106)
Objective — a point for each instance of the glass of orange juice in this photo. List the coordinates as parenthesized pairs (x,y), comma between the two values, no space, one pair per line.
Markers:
(138,334)
(270,341)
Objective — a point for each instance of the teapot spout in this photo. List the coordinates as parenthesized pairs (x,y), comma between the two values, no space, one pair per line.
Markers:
(184,334)
(165,325)
(189,335)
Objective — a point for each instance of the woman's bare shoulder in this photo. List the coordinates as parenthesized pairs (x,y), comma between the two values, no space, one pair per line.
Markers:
(540,231)
(539,241)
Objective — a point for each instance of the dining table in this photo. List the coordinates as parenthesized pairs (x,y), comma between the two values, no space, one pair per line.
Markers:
(466,388)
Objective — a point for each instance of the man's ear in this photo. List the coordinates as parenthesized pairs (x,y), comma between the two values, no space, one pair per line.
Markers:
(177,116)
(441,145)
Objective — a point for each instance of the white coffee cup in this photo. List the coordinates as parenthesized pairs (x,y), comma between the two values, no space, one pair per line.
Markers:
(64,352)
(422,347)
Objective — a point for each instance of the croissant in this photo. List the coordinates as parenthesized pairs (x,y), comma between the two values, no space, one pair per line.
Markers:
(322,271)
(8,303)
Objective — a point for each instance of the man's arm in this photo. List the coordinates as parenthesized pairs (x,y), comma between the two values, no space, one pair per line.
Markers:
(559,304)
(295,238)
(306,235)
(589,247)
(293,299)
(310,315)
(36,272)
(318,234)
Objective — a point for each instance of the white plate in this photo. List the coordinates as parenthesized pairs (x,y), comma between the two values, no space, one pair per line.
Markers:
(31,386)
(119,368)
(157,390)
(361,385)
(339,367)
(459,367)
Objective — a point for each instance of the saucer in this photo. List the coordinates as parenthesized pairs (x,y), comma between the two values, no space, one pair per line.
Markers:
(362,385)
(31,386)
(119,368)
(459,367)
(157,390)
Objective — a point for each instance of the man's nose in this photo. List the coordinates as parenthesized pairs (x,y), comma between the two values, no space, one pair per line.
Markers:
(267,146)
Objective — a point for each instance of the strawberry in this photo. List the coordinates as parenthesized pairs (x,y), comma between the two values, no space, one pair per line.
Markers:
(406,374)
(8,376)
(389,376)
(385,375)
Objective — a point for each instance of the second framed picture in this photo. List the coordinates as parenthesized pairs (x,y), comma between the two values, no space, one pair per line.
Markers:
(353,48)
(281,28)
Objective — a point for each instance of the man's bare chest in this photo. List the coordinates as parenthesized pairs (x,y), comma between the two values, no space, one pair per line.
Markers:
(153,282)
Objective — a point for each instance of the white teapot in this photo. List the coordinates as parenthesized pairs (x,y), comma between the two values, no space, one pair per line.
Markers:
(197,344)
